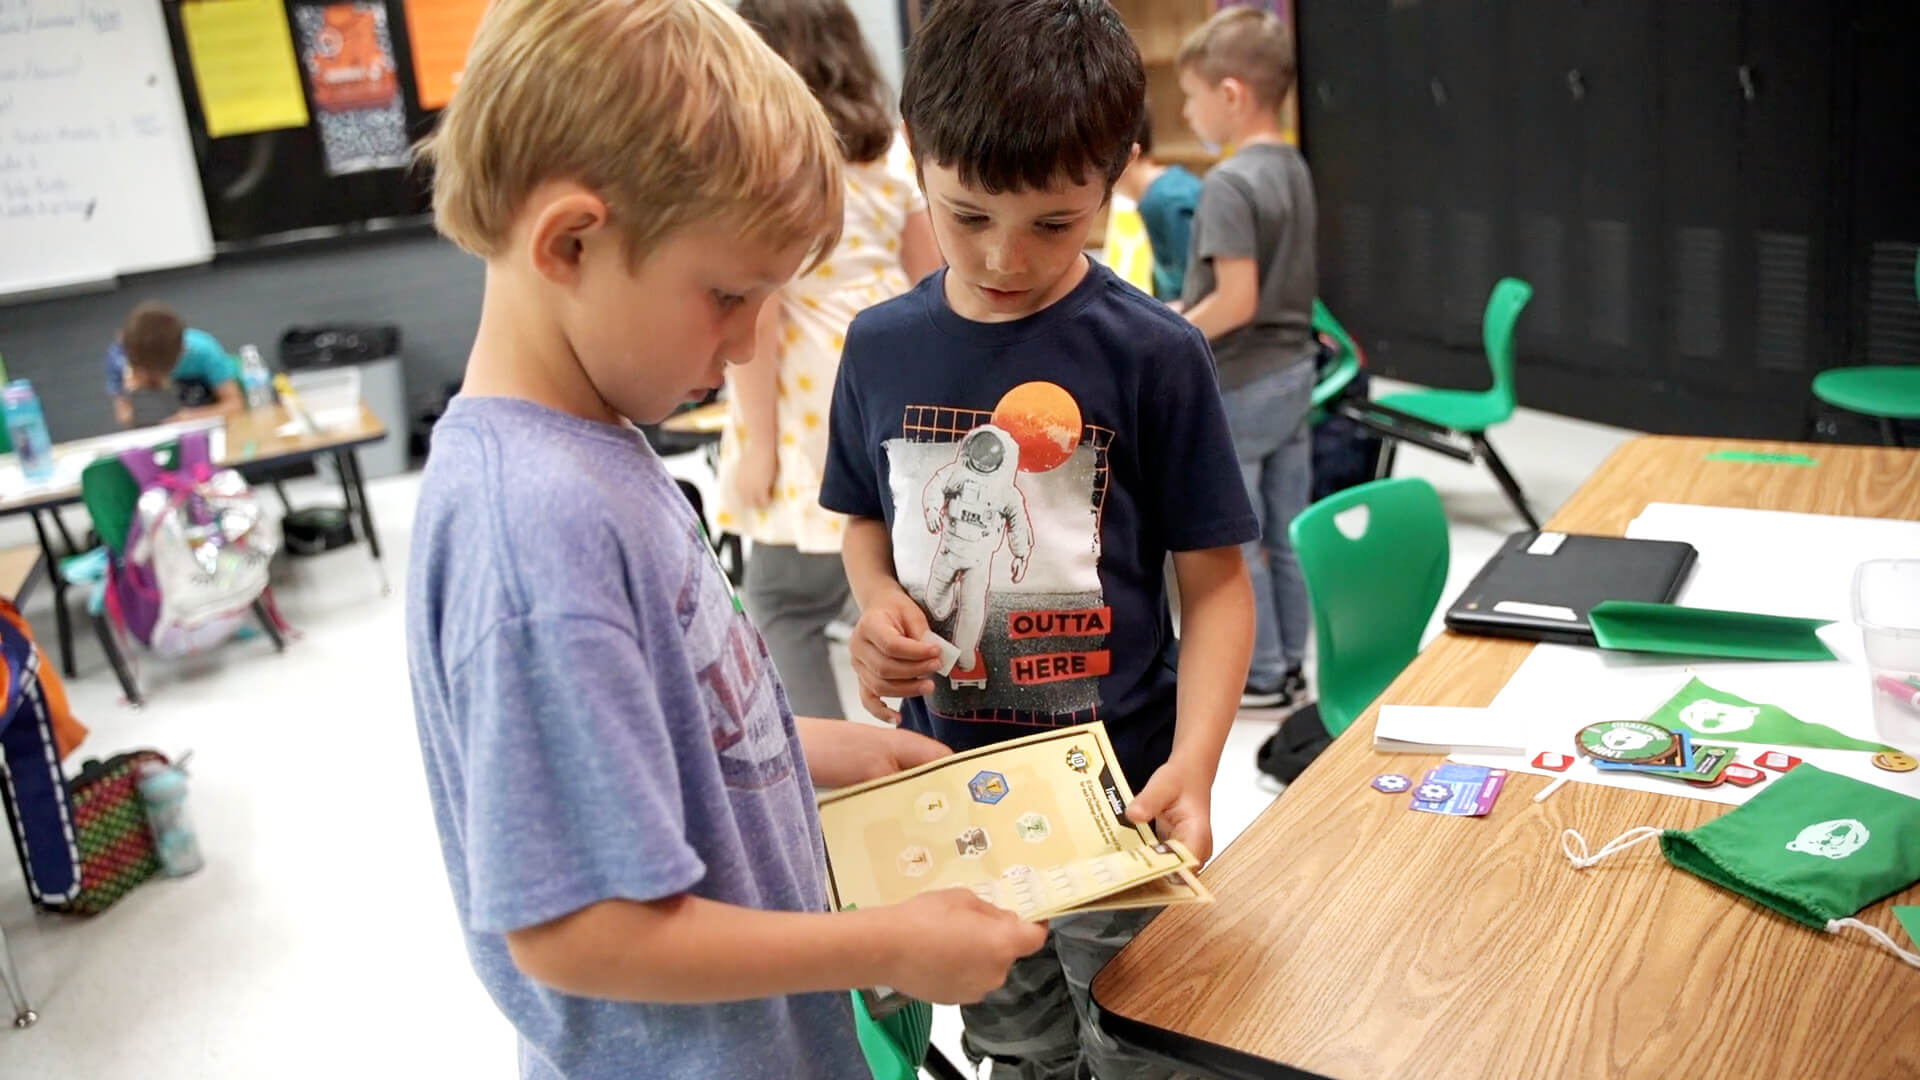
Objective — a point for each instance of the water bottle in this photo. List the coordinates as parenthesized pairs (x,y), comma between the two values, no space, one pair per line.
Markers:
(256,382)
(27,427)
(163,791)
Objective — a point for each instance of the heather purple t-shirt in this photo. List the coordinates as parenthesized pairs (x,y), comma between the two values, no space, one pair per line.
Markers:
(599,721)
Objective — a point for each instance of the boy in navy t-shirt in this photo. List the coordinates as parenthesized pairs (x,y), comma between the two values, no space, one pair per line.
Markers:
(1020,441)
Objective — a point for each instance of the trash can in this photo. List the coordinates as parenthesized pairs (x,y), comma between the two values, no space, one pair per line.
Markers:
(373,349)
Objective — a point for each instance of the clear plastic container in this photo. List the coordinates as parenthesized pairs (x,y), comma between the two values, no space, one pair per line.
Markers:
(330,397)
(1886,605)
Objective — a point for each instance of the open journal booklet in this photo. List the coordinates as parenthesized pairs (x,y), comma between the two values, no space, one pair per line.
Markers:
(1036,826)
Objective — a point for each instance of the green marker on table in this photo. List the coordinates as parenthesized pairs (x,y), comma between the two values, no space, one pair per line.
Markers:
(1755,457)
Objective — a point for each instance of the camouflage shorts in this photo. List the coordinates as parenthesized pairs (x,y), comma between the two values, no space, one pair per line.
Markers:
(1040,1025)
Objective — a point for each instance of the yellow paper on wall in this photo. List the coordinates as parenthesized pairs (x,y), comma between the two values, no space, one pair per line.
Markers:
(243,65)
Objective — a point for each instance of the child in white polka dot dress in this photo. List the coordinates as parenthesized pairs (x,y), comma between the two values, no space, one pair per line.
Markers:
(774,448)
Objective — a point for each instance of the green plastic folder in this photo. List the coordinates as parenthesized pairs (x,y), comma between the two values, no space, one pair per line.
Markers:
(1630,626)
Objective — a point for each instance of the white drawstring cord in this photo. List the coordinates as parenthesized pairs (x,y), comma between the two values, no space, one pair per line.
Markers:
(1571,838)
(1878,935)
(1575,847)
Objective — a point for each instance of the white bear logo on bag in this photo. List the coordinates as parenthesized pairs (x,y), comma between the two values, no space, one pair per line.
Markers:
(1834,839)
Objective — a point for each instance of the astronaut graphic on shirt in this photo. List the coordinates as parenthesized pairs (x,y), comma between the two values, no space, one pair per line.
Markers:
(975,507)
(998,539)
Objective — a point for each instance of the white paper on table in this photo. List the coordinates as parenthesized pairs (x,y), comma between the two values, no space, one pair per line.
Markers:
(1426,727)
(1750,560)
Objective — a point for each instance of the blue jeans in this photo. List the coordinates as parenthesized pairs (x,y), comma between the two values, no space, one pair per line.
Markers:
(1268,418)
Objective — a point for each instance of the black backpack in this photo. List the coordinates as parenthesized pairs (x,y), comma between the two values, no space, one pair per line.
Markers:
(1344,452)
(1289,750)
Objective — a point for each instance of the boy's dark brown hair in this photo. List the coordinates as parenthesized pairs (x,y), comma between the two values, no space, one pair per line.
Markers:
(1144,136)
(1248,44)
(1018,94)
(151,338)
(821,40)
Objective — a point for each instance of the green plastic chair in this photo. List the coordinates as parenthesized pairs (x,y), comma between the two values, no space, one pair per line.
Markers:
(111,496)
(1887,392)
(896,1046)
(1372,594)
(1334,382)
(1473,412)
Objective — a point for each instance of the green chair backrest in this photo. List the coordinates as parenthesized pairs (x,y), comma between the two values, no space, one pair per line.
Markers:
(895,1046)
(1372,592)
(1509,299)
(1345,366)
(110,495)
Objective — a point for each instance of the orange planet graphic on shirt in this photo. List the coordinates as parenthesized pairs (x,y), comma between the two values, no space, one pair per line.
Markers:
(1044,420)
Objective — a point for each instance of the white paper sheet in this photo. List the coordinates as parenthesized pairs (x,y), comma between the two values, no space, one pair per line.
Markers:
(1425,727)
(1750,560)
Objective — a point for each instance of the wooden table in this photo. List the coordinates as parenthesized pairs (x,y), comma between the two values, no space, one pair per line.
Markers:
(258,438)
(1354,939)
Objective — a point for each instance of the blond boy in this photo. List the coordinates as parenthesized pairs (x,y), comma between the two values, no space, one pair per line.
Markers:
(624,800)
(1249,287)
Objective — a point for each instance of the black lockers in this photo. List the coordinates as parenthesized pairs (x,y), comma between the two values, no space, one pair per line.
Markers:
(1713,200)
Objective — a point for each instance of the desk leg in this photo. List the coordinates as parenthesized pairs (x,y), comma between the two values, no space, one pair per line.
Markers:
(61,619)
(60,525)
(353,485)
(23,1014)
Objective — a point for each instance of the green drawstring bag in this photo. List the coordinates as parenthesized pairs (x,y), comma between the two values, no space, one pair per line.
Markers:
(1814,846)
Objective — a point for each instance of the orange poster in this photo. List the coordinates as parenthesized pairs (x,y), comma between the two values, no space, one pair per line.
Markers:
(441,31)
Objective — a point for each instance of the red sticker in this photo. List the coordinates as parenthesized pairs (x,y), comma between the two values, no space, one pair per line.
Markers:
(1550,760)
(1777,760)
(1744,775)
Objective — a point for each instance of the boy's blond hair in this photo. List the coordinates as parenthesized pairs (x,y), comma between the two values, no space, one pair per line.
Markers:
(1248,44)
(673,111)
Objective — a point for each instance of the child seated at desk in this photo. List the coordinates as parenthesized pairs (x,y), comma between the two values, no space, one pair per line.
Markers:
(156,350)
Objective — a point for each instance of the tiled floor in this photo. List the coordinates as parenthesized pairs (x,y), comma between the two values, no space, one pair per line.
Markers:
(320,941)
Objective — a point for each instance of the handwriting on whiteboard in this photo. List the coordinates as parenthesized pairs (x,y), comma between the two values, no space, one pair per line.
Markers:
(52,159)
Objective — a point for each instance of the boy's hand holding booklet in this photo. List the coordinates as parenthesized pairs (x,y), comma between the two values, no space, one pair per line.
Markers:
(1036,826)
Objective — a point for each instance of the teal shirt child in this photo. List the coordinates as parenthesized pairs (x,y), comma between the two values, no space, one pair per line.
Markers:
(1167,208)
(203,368)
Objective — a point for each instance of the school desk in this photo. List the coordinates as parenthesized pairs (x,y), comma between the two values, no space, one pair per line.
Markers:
(262,437)
(1353,939)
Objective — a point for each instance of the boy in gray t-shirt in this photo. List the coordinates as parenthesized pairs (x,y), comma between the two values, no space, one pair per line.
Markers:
(624,800)
(1250,288)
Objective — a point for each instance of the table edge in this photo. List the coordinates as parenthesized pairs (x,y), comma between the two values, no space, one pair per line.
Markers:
(1187,1052)
(56,500)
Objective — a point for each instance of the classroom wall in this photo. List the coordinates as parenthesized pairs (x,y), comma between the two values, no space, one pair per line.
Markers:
(431,289)
(880,22)
(417,281)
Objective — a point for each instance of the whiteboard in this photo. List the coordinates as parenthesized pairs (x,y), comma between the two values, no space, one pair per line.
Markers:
(97,173)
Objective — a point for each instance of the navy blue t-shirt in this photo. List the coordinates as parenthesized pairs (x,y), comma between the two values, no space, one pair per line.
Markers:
(1033,476)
